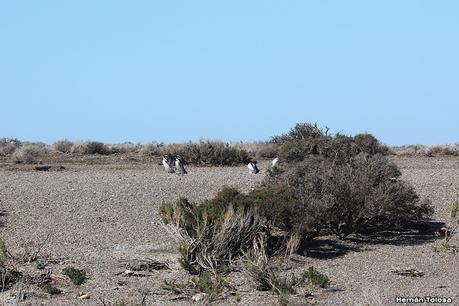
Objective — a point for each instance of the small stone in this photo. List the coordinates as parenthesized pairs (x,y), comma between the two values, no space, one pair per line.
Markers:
(198,297)
(84,296)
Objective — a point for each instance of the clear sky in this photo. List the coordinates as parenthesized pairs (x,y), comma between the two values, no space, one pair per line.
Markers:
(234,70)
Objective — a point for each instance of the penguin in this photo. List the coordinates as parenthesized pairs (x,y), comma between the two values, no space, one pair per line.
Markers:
(253,167)
(167,164)
(275,162)
(179,165)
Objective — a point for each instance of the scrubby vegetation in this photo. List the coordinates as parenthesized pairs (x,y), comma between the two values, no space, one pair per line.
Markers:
(8,146)
(324,185)
(30,153)
(211,234)
(207,152)
(76,276)
(426,151)
(90,147)
(63,146)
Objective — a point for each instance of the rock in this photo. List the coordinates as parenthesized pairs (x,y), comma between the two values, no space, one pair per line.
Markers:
(84,296)
(198,297)
(42,168)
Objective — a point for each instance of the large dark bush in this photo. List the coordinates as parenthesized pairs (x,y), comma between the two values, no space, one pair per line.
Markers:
(362,195)
(306,139)
(338,184)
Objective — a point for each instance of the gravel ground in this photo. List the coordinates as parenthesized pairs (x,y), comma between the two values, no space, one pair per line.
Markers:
(92,217)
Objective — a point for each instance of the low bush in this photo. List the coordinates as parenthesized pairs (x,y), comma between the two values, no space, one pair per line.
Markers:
(207,285)
(123,148)
(258,149)
(426,151)
(316,278)
(266,278)
(210,236)
(63,146)
(76,276)
(50,289)
(207,152)
(8,146)
(151,149)
(30,153)
(90,148)
(442,150)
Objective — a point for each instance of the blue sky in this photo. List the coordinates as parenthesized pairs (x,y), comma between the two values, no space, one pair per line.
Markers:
(237,70)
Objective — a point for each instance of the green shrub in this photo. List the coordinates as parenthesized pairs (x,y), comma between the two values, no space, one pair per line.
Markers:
(50,289)
(3,252)
(209,283)
(213,232)
(76,276)
(316,278)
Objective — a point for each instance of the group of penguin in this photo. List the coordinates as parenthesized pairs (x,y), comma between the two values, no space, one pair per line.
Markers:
(254,169)
(177,166)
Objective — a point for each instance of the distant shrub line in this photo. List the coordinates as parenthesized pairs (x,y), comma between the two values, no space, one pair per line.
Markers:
(310,139)
(204,152)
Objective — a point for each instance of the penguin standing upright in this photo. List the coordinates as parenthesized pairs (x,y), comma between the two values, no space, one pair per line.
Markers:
(179,165)
(167,165)
(253,167)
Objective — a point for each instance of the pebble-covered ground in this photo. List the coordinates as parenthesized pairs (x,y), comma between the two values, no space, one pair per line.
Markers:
(94,216)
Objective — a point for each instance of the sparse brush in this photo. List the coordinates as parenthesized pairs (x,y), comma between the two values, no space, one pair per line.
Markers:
(8,146)
(316,278)
(263,275)
(453,208)
(151,149)
(442,150)
(50,289)
(210,236)
(63,146)
(9,277)
(30,153)
(258,149)
(207,152)
(123,148)
(76,276)
(211,285)
(293,244)
(176,288)
(3,252)
(90,148)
